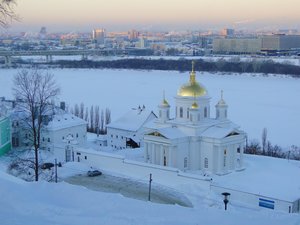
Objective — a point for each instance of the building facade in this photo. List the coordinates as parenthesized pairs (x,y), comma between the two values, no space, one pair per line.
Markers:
(128,130)
(5,135)
(194,140)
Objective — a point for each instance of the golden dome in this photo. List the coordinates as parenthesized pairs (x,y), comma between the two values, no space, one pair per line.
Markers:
(193,88)
(194,105)
(165,103)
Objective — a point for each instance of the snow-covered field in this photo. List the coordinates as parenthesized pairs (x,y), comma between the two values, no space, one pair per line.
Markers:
(254,102)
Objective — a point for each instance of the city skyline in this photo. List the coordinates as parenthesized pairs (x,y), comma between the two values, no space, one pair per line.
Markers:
(66,15)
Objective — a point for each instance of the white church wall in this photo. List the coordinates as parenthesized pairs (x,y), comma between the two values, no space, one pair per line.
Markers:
(117,164)
(256,200)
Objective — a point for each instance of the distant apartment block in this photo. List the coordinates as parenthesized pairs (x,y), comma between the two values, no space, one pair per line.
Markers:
(268,44)
(98,35)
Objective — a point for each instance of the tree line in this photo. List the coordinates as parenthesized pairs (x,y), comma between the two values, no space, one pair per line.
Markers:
(96,119)
(220,65)
(267,149)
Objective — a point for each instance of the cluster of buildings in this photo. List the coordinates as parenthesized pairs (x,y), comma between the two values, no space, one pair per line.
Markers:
(187,43)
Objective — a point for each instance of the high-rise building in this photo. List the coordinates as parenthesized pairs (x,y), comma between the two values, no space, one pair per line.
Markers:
(133,34)
(227,32)
(98,35)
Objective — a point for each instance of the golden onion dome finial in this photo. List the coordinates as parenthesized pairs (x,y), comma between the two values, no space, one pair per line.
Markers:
(165,102)
(193,74)
(195,105)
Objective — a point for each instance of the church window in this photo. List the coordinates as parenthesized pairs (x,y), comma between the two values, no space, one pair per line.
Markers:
(181,112)
(205,112)
(206,163)
(238,150)
(48,139)
(224,160)
(218,113)
(77,135)
(188,113)
(168,113)
(160,114)
(176,111)
(225,152)
(185,162)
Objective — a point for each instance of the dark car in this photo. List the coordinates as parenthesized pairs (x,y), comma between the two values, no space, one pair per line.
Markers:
(48,166)
(94,173)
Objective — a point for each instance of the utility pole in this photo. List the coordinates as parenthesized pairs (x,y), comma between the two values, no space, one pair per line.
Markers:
(55,170)
(150,180)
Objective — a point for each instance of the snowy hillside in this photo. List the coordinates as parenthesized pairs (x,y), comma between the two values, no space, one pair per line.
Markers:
(49,203)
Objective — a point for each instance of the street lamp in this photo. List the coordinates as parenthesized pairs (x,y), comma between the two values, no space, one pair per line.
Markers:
(226,196)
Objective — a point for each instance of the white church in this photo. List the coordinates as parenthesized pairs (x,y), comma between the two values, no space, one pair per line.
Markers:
(194,140)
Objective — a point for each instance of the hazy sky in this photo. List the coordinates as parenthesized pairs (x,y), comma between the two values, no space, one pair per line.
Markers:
(156,14)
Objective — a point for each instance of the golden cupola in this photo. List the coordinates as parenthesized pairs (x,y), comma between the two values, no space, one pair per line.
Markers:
(193,88)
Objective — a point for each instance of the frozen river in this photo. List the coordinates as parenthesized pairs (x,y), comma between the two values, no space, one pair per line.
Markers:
(255,102)
(130,188)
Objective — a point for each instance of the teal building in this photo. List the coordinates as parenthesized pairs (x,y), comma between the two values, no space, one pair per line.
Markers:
(5,135)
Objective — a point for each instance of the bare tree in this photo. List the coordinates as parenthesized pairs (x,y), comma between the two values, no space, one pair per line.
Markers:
(34,91)
(92,119)
(107,118)
(7,13)
(97,119)
(102,122)
(76,110)
(264,140)
(81,111)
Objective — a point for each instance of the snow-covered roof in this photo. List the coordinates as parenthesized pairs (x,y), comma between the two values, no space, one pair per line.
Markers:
(170,132)
(65,120)
(132,120)
(219,132)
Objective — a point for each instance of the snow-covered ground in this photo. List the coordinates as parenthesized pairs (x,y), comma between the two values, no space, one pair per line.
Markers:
(255,101)
(62,203)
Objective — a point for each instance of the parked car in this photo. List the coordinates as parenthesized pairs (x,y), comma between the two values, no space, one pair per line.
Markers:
(94,173)
(47,165)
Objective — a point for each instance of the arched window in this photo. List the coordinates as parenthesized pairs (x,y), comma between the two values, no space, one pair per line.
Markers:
(181,112)
(185,162)
(205,112)
(206,163)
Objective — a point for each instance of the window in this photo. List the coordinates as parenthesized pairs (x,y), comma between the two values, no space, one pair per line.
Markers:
(85,157)
(43,139)
(238,150)
(188,113)
(218,113)
(117,136)
(160,114)
(185,162)
(111,135)
(63,137)
(77,135)
(206,163)
(181,112)
(48,139)
(205,112)
(168,113)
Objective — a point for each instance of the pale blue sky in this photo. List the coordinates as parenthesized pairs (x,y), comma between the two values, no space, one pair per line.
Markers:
(123,14)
